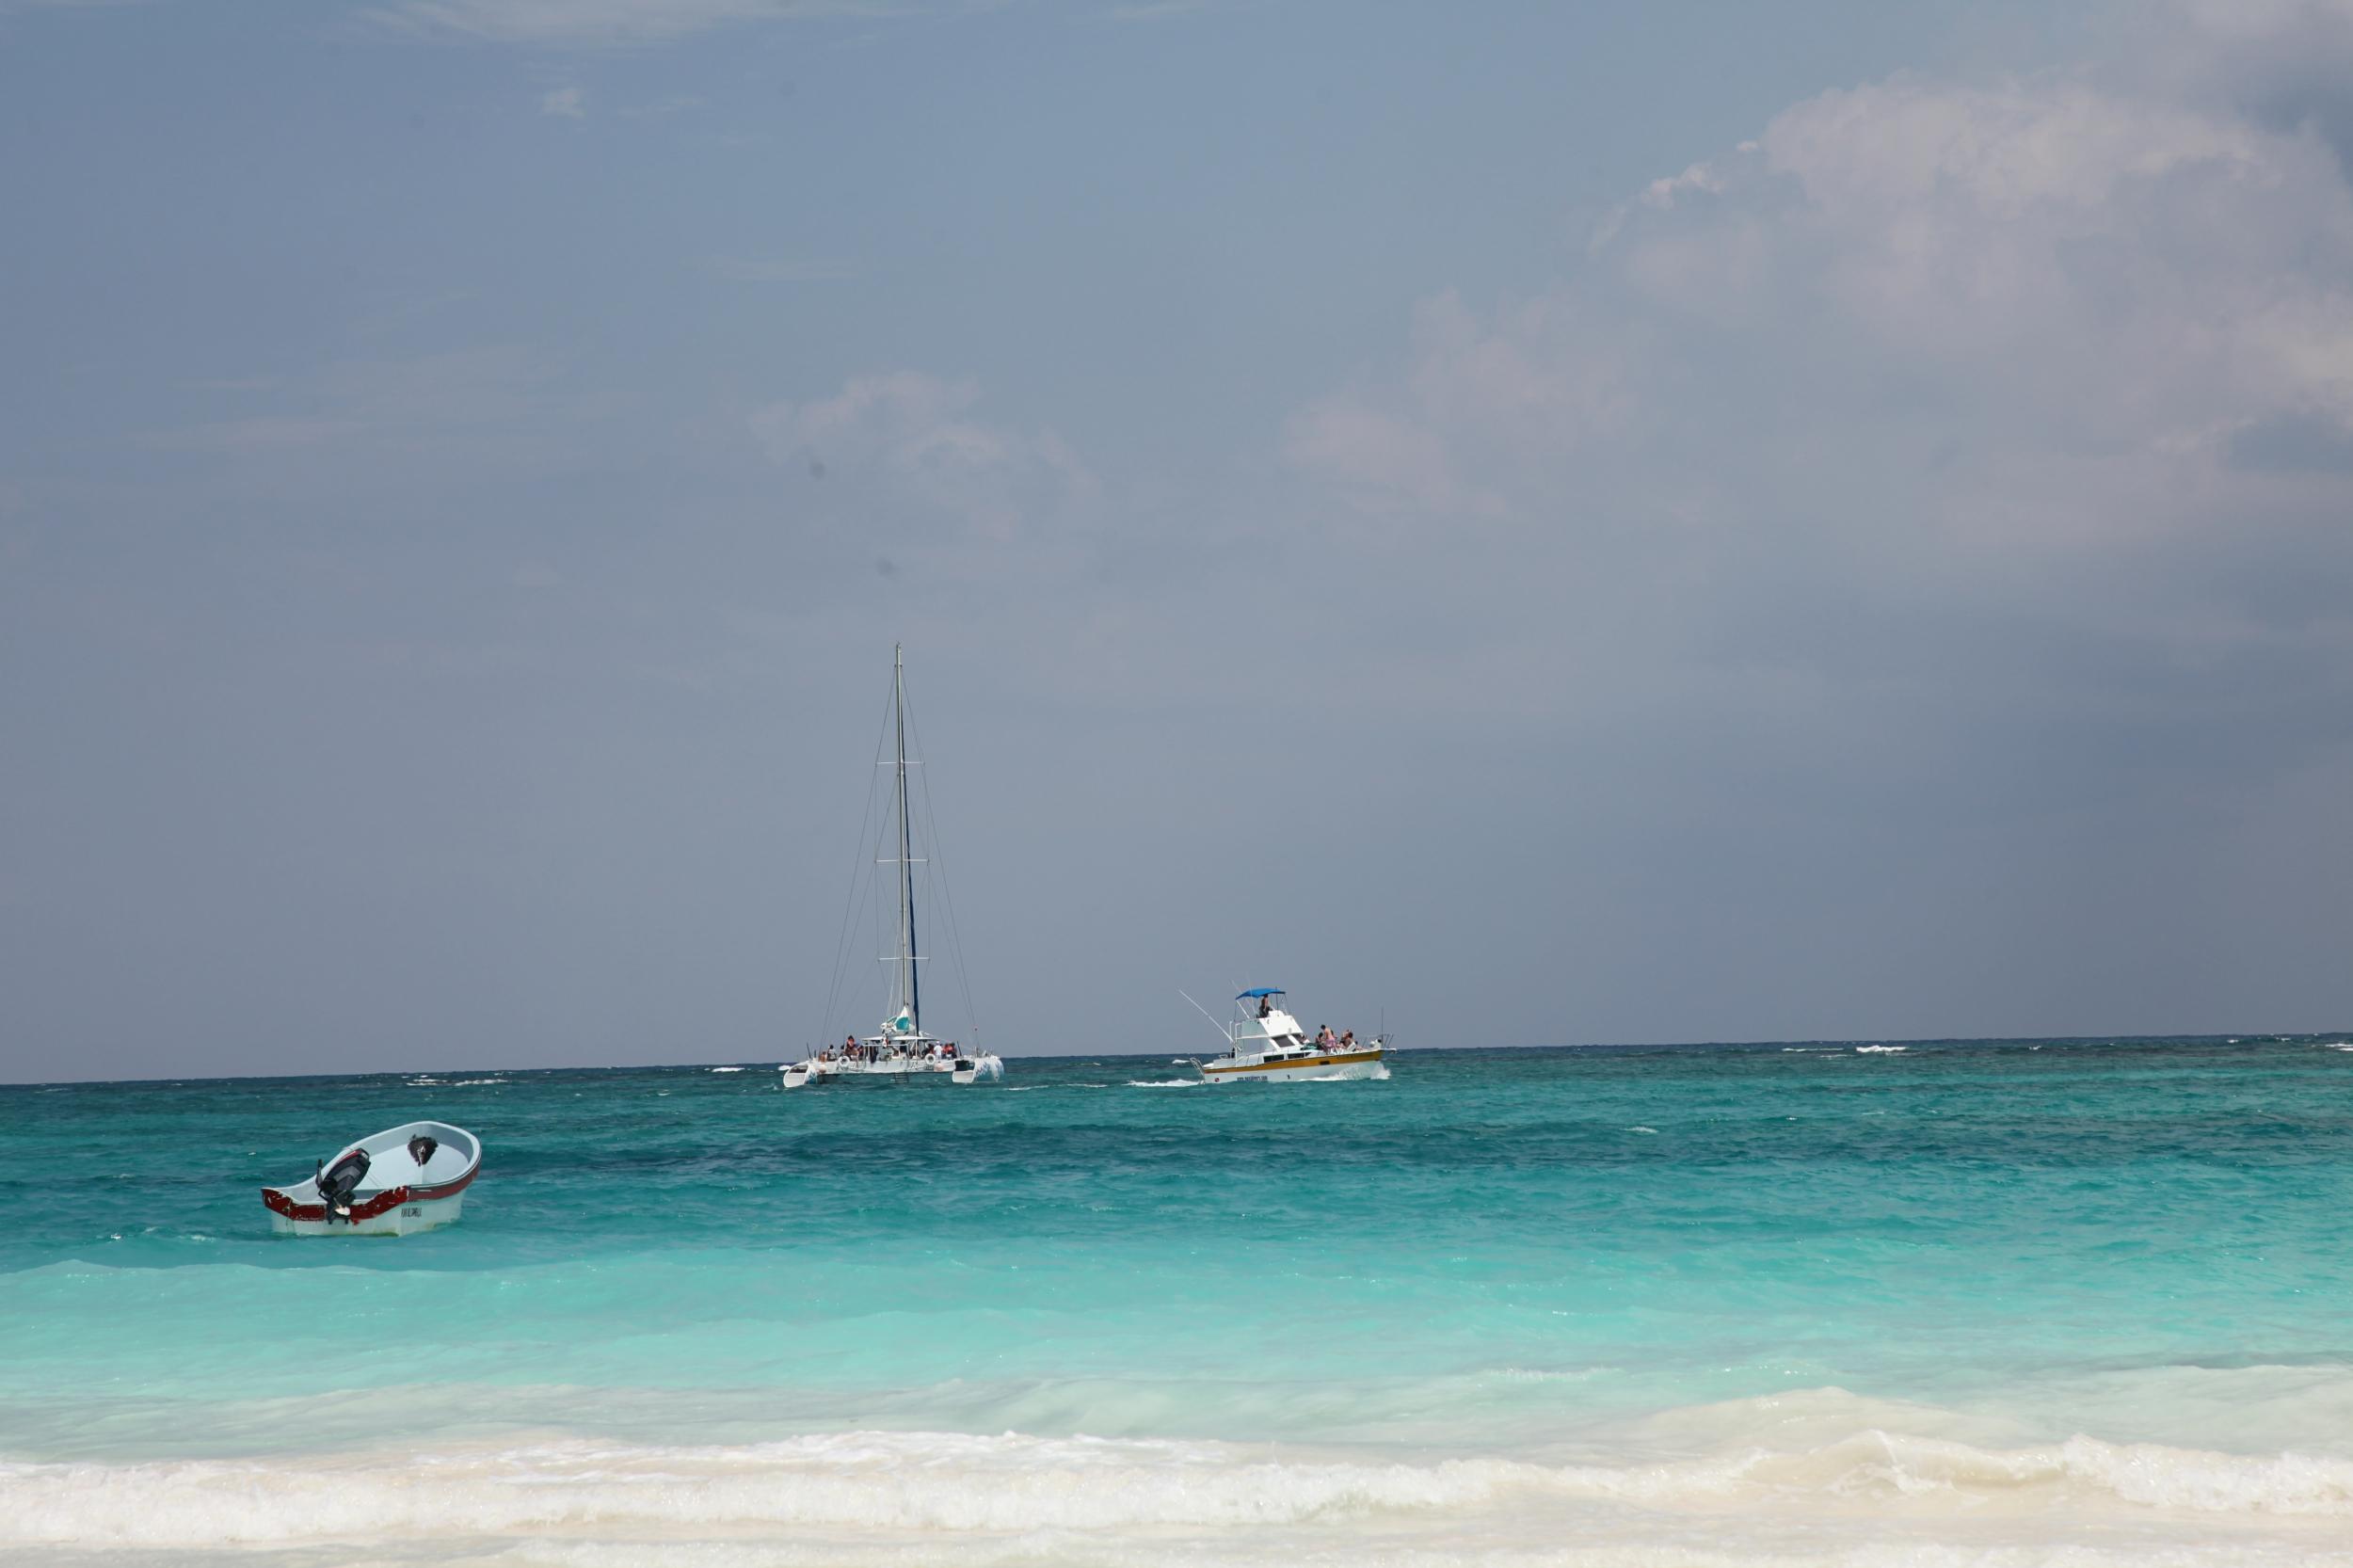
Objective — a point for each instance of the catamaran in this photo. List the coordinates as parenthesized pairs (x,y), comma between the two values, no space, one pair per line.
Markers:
(900,1050)
(1266,1045)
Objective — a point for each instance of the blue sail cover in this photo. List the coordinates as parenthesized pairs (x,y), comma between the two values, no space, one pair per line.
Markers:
(1261,991)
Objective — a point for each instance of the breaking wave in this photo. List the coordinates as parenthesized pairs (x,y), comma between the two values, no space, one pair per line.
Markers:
(889,1486)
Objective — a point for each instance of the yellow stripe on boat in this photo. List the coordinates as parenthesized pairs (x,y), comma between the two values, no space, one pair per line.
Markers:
(1295,1063)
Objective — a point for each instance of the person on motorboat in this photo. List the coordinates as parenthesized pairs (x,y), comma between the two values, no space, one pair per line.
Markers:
(1266,1005)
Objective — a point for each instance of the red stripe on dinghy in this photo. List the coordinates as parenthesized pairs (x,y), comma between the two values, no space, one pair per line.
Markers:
(381,1202)
(281,1204)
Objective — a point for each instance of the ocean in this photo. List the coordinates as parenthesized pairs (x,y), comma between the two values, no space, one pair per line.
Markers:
(2067,1302)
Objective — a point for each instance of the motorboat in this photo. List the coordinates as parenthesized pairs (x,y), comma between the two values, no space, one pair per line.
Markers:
(1265,1044)
(901,1051)
(405,1179)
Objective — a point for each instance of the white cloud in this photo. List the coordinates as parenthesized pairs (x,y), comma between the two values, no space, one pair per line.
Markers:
(2039,268)
(1486,406)
(493,406)
(2072,360)
(1157,11)
(1698,176)
(911,442)
(1387,460)
(573,21)
(564,102)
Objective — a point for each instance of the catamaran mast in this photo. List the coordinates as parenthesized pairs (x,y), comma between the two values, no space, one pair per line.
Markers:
(909,987)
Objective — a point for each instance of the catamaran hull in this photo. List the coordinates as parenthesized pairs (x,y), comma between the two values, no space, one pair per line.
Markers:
(967,1071)
(1316,1070)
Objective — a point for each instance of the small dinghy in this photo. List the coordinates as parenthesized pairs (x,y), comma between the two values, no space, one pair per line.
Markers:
(404,1179)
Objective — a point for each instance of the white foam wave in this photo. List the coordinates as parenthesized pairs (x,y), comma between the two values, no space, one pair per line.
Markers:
(726,1069)
(941,1482)
(1879,1051)
(1167,1083)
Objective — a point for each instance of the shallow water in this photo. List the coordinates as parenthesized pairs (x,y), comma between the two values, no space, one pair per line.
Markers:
(1966,1302)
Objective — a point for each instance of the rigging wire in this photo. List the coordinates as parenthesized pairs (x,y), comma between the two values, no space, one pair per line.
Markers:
(937,867)
(860,877)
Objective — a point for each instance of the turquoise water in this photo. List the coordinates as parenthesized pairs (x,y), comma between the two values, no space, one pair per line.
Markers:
(1402,1317)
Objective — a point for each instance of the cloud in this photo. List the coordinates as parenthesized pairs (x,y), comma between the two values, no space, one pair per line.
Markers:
(909,446)
(1157,11)
(2000,405)
(418,416)
(563,102)
(590,21)
(2081,273)
(1389,460)
(661,108)
(1486,404)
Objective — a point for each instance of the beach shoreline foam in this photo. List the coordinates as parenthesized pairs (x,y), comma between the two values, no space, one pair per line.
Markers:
(885,1496)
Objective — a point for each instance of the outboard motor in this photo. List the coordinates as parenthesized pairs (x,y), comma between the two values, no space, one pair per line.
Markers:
(336,1186)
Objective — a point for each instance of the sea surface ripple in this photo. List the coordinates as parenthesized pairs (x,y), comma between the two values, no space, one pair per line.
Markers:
(1999,1302)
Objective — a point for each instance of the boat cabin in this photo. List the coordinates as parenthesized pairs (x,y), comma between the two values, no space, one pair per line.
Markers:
(1264,1028)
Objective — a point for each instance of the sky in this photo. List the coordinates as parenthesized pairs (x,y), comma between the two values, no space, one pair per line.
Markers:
(1535,523)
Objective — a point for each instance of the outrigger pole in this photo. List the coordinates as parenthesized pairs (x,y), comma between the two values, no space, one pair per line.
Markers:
(1212,1016)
